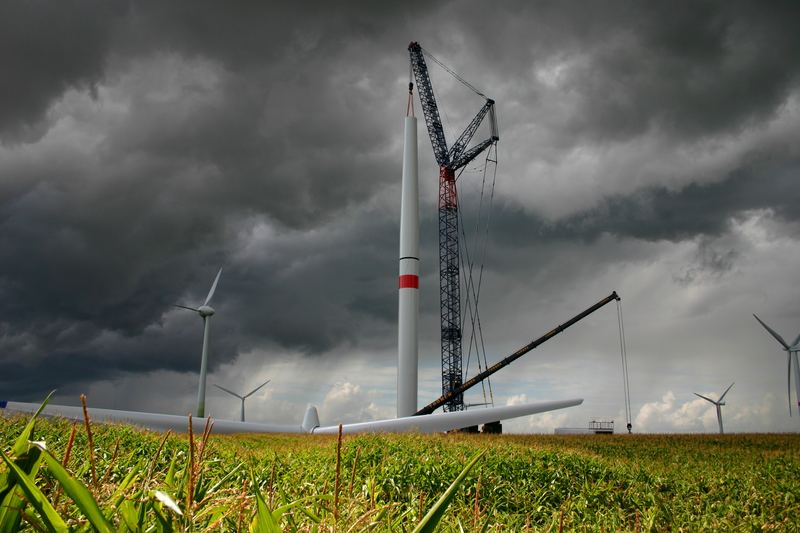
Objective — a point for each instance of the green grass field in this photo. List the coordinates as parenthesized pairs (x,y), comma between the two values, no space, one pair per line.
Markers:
(389,483)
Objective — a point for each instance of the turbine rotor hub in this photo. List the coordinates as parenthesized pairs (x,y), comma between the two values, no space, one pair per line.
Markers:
(205,310)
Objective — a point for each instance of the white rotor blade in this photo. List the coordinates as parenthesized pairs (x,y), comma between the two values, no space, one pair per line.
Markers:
(438,422)
(213,288)
(228,391)
(184,307)
(426,423)
(254,390)
(705,398)
(153,421)
(726,392)
(772,332)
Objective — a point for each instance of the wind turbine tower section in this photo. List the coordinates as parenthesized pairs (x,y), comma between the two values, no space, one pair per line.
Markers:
(408,286)
(450,161)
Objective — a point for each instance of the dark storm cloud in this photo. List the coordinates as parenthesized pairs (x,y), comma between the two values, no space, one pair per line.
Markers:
(698,209)
(709,259)
(304,296)
(76,358)
(316,294)
(685,69)
(281,122)
(212,119)
(690,70)
(660,213)
(45,49)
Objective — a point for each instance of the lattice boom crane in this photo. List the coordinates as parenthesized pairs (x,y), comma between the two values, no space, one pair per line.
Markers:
(449,162)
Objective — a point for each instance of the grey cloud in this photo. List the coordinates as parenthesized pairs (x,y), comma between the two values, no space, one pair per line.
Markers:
(690,70)
(658,213)
(710,260)
(523,243)
(706,209)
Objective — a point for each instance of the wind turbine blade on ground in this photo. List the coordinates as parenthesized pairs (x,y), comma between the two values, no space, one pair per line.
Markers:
(213,288)
(772,332)
(438,422)
(254,390)
(726,391)
(706,398)
(153,421)
(229,391)
(184,307)
(433,423)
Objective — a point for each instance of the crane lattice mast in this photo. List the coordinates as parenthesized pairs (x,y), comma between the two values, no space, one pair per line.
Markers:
(449,162)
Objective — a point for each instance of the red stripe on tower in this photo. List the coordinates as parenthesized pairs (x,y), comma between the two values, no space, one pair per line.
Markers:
(409,281)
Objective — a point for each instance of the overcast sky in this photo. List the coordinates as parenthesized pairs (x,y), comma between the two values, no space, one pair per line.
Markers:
(648,148)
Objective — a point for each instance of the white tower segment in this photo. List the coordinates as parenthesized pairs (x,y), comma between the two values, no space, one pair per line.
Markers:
(408,286)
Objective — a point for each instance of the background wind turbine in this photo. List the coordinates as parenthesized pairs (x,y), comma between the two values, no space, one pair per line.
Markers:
(791,353)
(719,403)
(220,387)
(206,312)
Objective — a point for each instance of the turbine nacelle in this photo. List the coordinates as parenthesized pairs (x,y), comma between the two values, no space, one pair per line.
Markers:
(205,311)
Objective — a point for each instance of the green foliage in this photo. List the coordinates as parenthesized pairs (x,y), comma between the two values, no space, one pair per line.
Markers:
(392,482)
(24,480)
(431,520)
(78,492)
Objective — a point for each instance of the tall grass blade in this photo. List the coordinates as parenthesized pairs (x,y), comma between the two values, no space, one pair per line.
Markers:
(90,440)
(78,492)
(12,502)
(225,478)
(10,509)
(21,444)
(131,478)
(164,524)
(52,520)
(279,511)
(129,516)
(263,521)
(435,514)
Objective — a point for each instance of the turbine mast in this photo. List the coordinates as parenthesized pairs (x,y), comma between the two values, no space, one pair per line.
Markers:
(206,312)
(201,389)
(408,285)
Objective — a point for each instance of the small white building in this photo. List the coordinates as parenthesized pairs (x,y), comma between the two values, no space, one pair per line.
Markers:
(596,427)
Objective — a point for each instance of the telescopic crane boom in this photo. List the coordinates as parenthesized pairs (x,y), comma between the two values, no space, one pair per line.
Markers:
(449,162)
(444,398)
